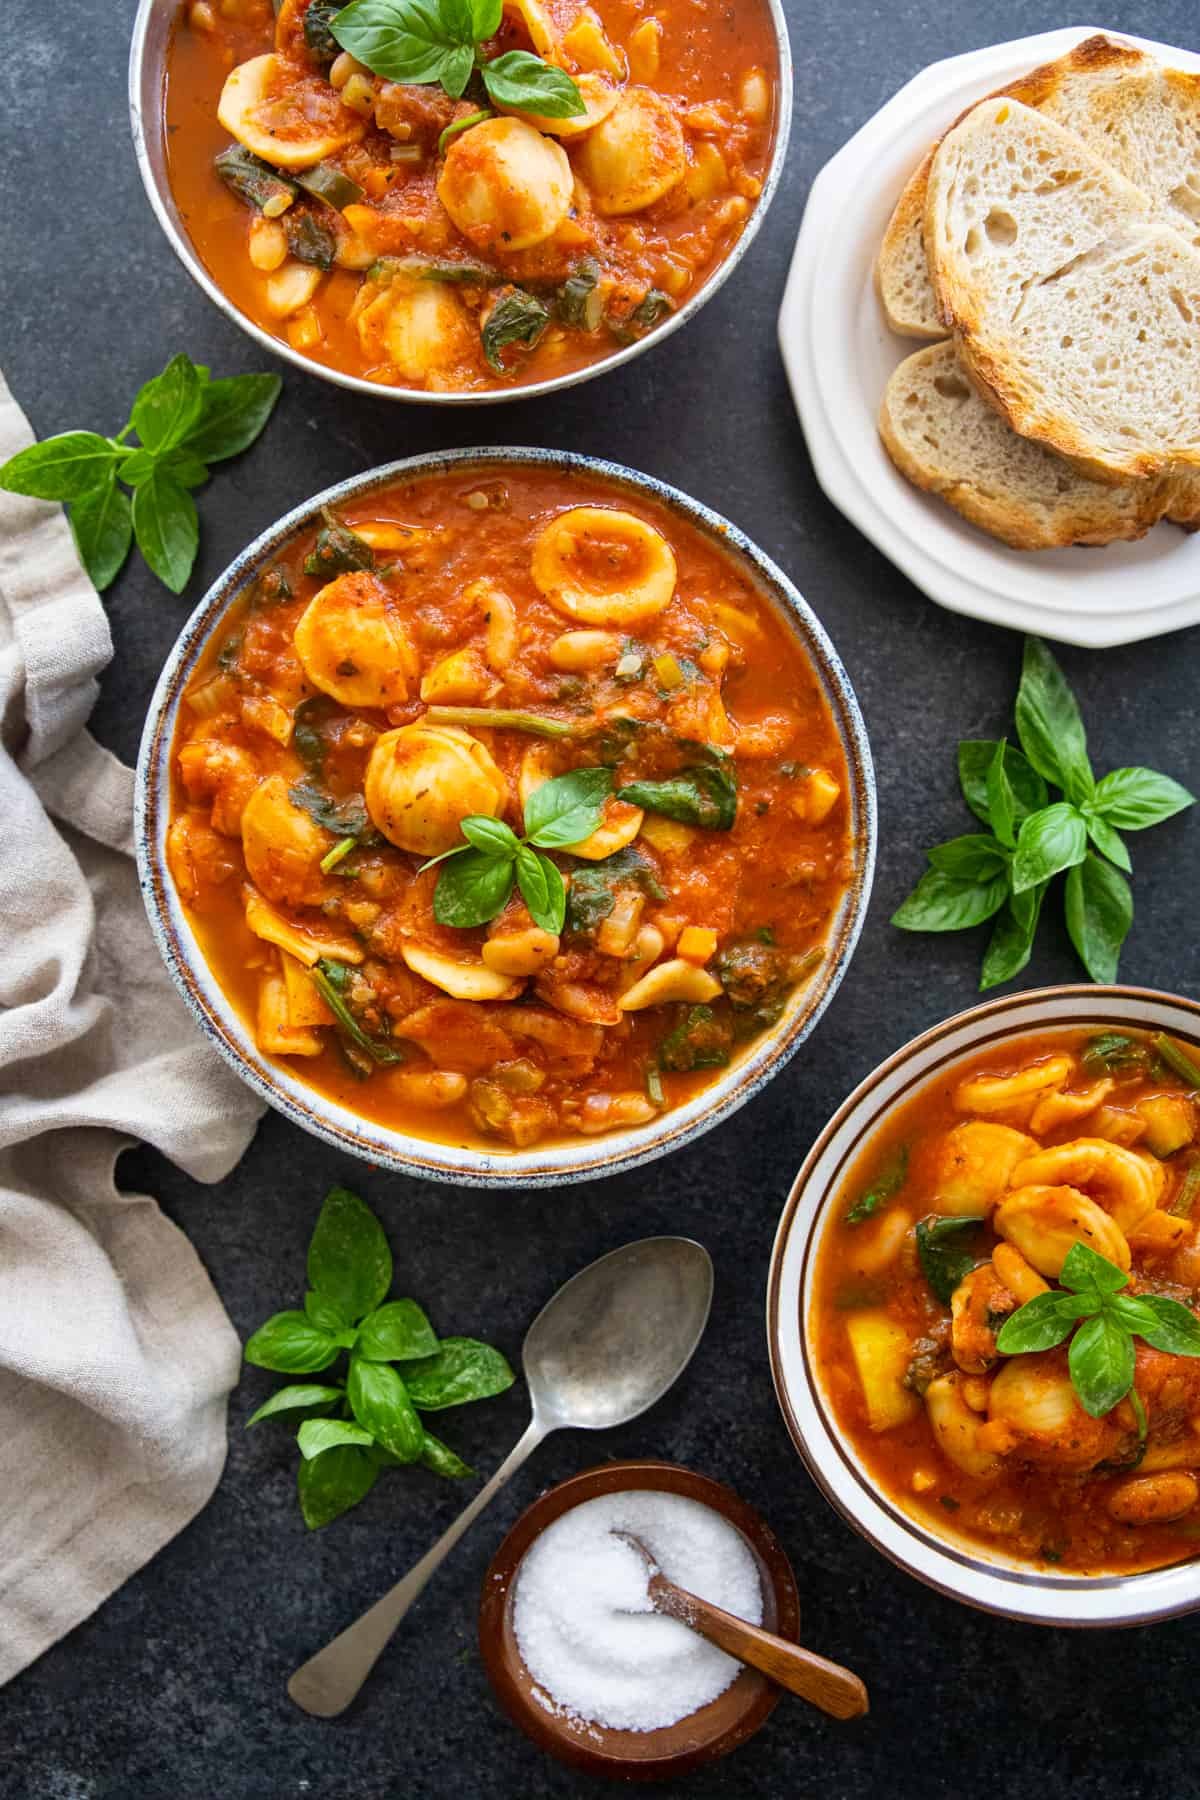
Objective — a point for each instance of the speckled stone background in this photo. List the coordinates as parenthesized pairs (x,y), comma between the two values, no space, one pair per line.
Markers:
(176,1686)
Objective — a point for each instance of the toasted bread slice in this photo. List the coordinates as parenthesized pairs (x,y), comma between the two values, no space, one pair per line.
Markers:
(947,440)
(1140,117)
(1074,311)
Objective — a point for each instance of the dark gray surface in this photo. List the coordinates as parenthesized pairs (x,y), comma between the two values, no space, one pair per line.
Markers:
(176,1687)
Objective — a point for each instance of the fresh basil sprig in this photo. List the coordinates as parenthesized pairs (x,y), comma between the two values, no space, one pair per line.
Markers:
(1005,875)
(425,41)
(348,1429)
(1101,1357)
(185,421)
(477,879)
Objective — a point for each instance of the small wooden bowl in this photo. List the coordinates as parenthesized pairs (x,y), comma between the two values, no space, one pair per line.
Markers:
(715,1729)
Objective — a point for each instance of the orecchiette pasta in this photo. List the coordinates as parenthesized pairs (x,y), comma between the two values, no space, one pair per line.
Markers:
(353,645)
(604,567)
(422,779)
(635,155)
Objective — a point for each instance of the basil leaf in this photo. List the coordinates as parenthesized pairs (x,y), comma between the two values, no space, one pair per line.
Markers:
(568,808)
(975,759)
(299,1398)
(318,1435)
(290,1344)
(1109,844)
(942,902)
(1177,1330)
(442,1460)
(324,1314)
(233,412)
(1136,798)
(461,1370)
(491,835)
(1001,800)
(402,40)
(1099,909)
(60,468)
(332,1483)
(1049,724)
(1101,1360)
(1049,841)
(166,528)
(1086,1270)
(1038,1325)
(349,1261)
(888,1181)
(485,18)
(1011,942)
(168,406)
(472,889)
(523,81)
(541,889)
(1135,1314)
(397,1332)
(516,318)
(380,1402)
(704,794)
(944,1261)
(102,524)
(970,858)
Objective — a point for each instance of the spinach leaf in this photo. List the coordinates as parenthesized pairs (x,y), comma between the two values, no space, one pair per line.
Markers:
(349,1262)
(1114,1052)
(346,818)
(254,181)
(338,550)
(330,1484)
(462,1369)
(516,318)
(308,241)
(704,794)
(318,30)
(595,886)
(945,1260)
(578,302)
(701,1040)
(331,980)
(886,1184)
(309,738)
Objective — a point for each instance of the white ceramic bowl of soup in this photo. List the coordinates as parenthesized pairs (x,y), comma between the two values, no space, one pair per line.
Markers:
(954,1564)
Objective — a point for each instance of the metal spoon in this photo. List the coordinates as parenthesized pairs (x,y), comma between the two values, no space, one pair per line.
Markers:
(825,1684)
(608,1345)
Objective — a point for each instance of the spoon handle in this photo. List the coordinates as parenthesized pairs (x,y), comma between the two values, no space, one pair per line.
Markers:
(825,1684)
(327,1683)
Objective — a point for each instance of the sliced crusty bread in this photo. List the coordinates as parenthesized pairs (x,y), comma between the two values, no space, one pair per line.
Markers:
(1074,311)
(947,440)
(1138,116)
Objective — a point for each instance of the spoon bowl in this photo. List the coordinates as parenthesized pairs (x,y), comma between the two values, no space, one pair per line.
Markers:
(617,1335)
(608,1345)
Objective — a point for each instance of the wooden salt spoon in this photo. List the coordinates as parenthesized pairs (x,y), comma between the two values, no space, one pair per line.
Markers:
(824,1684)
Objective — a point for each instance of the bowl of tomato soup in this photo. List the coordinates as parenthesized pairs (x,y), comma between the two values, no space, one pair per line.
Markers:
(984,1307)
(397,240)
(505,816)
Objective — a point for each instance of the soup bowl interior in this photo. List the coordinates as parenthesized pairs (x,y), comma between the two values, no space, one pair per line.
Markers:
(957,1566)
(555,1162)
(157,19)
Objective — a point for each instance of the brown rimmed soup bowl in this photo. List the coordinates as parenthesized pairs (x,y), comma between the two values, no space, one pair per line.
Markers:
(918,1537)
(672,1750)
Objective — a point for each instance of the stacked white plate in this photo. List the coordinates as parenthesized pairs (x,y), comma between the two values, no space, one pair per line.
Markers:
(839,353)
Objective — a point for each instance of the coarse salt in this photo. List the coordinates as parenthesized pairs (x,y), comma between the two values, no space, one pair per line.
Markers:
(584,1623)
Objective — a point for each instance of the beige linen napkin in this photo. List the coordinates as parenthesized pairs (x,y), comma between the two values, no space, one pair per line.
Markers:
(116,1355)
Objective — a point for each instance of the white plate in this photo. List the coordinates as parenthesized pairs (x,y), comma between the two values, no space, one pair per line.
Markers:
(839,354)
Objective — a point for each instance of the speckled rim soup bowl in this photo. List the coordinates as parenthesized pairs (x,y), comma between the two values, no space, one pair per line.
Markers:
(152,28)
(325,1118)
(955,1565)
